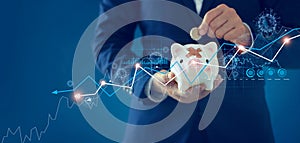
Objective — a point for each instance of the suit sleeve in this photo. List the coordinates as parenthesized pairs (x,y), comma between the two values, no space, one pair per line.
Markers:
(106,54)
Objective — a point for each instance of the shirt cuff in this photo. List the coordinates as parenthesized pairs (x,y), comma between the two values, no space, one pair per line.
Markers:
(157,98)
(252,38)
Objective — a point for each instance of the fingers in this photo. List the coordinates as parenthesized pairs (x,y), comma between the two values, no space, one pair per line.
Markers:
(166,80)
(195,93)
(161,83)
(224,22)
(234,34)
(209,17)
(224,29)
(170,75)
(218,24)
(171,83)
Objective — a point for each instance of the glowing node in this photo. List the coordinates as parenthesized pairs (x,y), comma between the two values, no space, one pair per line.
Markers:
(287,40)
(137,65)
(241,48)
(77,97)
(102,83)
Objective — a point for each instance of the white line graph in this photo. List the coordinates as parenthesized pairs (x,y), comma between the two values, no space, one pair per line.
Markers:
(51,118)
(240,48)
(35,130)
(138,66)
(286,41)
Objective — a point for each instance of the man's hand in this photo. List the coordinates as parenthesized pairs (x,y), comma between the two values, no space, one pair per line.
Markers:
(159,83)
(224,22)
(193,94)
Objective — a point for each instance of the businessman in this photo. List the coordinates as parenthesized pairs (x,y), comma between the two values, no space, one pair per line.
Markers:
(243,116)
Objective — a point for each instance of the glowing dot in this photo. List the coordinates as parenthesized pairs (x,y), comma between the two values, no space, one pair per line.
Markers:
(77,97)
(241,47)
(103,83)
(137,65)
(287,40)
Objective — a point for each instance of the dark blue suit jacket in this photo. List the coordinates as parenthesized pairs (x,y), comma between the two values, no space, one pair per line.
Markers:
(243,117)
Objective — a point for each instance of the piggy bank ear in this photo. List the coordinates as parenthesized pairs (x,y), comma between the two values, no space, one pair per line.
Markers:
(177,49)
(212,47)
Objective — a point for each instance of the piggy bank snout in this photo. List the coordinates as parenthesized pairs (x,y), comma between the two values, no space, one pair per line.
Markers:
(195,62)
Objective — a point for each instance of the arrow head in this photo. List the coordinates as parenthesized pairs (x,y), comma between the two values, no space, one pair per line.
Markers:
(55,92)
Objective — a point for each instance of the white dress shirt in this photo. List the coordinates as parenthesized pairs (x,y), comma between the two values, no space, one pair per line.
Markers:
(198,4)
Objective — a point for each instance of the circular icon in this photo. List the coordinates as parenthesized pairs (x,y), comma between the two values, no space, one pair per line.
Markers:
(70,83)
(250,73)
(271,71)
(282,72)
(260,73)
(166,49)
(114,66)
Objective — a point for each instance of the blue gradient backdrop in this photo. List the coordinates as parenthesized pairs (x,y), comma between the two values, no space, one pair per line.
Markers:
(38,40)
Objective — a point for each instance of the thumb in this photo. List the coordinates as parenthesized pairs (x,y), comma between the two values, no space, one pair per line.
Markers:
(170,75)
(203,28)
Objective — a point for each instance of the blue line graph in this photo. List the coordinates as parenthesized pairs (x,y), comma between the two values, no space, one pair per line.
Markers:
(131,79)
(258,49)
(65,100)
(181,68)
(72,90)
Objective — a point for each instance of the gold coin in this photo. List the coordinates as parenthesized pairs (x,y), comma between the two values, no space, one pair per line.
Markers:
(194,33)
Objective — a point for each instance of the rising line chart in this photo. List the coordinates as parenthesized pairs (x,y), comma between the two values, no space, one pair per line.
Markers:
(35,131)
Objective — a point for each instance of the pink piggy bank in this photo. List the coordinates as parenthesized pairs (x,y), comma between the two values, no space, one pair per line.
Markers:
(198,65)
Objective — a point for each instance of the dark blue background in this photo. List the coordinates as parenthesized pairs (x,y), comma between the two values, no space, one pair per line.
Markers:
(38,40)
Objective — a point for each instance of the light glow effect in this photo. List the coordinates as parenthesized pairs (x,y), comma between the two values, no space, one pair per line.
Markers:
(137,65)
(78,97)
(286,40)
(103,83)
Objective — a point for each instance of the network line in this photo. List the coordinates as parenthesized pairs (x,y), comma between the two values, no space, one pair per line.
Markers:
(51,118)
(138,66)
(78,85)
(286,41)
(267,45)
